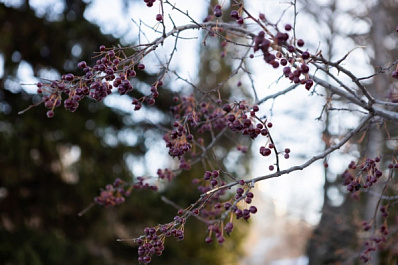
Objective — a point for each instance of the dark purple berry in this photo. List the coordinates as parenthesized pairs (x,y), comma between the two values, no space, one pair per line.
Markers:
(304,68)
(82,65)
(229,227)
(305,55)
(291,48)
(308,84)
(300,43)
(234,14)
(227,108)
(217,11)
(50,114)
(253,209)
(265,151)
(159,17)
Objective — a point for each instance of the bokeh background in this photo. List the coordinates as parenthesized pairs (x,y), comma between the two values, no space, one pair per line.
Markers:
(51,169)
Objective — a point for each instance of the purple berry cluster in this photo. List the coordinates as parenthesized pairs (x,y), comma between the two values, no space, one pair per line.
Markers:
(212,207)
(191,115)
(142,183)
(378,238)
(247,197)
(152,242)
(165,174)
(114,194)
(214,229)
(230,208)
(235,14)
(298,70)
(238,119)
(178,141)
(109,72)
(363,175)
(212,176)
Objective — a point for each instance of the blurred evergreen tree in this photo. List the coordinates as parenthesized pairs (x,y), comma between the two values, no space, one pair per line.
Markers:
(41,191)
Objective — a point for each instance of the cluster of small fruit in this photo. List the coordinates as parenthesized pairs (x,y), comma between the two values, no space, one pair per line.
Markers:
(238,120)
(188,114)
(114,194)
(218,232)
(150,99)
(271,49)
(235,14)
(165,174)
(109,72)
(363,175)
(231,208)
(278,49)
(211,209)
(379,237)
(152,242)
(53,91)
(179,141)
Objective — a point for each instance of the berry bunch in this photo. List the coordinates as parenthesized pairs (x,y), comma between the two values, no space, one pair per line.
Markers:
(152,242)
(114,194)
(238,120)
(379,237)
(178,141)
(230,208)
(235,14)
(214,229)
(299,63)
(165,174)
(143,184)
(191,115)
(363,175)
(109,72)
(246,196)
(211,209)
